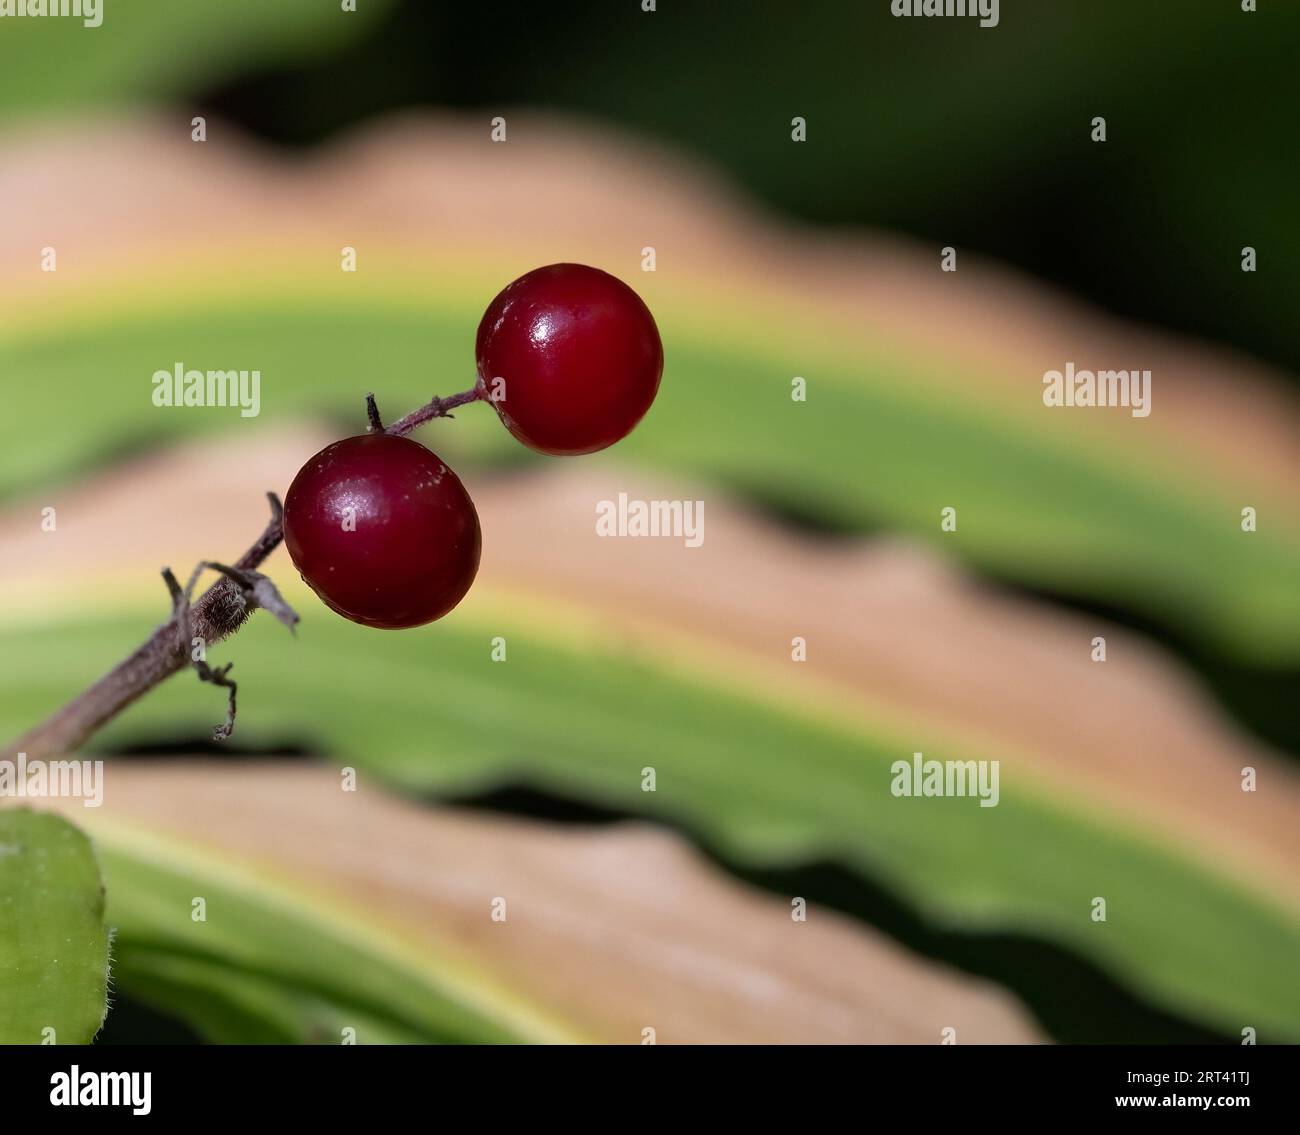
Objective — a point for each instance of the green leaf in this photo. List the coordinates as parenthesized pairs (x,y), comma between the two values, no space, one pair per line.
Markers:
(757,778)
(268,965)
(879,445)
(331,915)
(159,49)
(53,939)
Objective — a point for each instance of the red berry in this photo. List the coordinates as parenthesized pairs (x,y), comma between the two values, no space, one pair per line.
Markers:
(579,356)
(382,531)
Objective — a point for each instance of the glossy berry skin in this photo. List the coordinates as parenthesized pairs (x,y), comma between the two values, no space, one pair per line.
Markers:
(579,354)
(382,531)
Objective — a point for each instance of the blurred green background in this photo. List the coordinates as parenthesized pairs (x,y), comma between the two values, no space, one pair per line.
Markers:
(933,129)
(979,138)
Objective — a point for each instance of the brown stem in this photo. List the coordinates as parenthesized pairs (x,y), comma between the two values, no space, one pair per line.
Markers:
(438,408)
(218,613)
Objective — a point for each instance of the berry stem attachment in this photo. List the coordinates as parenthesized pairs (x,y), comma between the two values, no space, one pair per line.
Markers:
(437,408)
(218,613)
(372,412)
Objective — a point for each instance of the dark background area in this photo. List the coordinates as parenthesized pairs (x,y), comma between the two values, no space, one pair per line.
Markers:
(936,128)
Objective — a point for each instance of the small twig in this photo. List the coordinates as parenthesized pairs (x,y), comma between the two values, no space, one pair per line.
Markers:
(181,603)
(218,613)
(372,412)
(437,408)
(181,617)
(257,590)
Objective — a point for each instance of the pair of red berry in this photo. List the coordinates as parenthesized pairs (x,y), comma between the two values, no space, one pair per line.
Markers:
(385,533)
